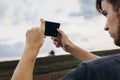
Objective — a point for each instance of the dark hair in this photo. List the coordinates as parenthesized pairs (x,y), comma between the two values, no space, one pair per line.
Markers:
(115,4)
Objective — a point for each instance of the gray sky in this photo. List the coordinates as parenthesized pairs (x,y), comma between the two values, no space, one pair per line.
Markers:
(78,18)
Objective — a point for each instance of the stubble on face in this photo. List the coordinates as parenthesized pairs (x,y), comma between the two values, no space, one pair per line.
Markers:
(117,41)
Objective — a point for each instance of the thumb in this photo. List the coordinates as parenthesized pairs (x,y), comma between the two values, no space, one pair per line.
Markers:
(61,32)
(42,26)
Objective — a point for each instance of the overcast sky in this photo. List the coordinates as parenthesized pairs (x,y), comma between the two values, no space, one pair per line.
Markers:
(79,20)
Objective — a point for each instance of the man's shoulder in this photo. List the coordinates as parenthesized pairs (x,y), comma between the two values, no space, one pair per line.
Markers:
(97,69)
(104,60)
(82,72)
(105,68)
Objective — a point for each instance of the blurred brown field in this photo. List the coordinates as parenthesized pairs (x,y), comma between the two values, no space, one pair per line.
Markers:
(49,68)
(51,76)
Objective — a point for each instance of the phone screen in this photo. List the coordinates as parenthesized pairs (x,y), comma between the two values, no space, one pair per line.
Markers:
(51,28)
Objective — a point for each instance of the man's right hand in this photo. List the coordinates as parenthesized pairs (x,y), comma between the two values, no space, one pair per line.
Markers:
(35,36)
(62,40)
(35,40)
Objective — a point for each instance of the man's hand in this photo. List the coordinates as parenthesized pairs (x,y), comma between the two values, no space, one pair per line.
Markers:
(62,40)
(35,36)
(34,41)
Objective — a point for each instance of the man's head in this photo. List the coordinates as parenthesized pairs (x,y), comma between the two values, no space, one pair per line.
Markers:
(111,9)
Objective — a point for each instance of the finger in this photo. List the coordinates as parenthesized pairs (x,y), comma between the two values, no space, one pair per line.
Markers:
(28,32)
(37,28)
(42,26)
(56,44)
(56,40)
(61,32)
(52,38)
(33,28)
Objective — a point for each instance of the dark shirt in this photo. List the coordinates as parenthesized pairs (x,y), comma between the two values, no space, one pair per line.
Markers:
(106,68)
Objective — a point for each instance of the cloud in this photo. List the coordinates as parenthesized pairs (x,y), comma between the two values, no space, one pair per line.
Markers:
(2,10)
(78,19)
(87,9)
(17,49)
(4,40)
(14,50)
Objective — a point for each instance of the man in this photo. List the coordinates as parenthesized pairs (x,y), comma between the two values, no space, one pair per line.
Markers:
(93,67)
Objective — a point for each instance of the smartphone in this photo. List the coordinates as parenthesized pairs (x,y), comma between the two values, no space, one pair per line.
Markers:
(51,28)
